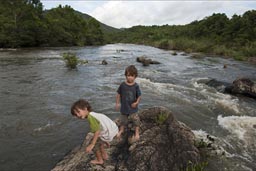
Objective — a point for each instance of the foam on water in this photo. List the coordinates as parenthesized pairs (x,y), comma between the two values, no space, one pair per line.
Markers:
(167,89)
(45,127)
(243,127)
(195,92)
(226,101)
(213,142)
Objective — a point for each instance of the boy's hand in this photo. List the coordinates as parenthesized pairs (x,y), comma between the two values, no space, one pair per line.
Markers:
(134,105)
(89,148)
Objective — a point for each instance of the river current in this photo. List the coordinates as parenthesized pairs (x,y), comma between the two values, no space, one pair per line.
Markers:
(37,90)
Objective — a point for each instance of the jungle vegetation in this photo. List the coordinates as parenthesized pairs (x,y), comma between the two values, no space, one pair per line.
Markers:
(24,23)
(215,34)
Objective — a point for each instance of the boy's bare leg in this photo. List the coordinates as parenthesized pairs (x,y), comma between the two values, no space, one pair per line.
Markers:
(99,159)
(137,133)
(118,135)
(106,144)
(103,152)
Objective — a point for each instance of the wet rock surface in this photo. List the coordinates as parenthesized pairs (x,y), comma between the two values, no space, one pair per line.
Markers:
(164,144)
(240,86)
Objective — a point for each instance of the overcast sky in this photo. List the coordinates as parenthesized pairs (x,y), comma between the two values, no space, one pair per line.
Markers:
(130,13)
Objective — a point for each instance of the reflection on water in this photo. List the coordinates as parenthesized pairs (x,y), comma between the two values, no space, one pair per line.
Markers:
(37,90)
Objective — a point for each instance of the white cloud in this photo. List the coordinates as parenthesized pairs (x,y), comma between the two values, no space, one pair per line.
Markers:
(82,6)
(129,13)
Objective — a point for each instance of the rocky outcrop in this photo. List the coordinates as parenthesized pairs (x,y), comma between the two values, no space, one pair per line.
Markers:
(165,144)
(244,86)
(240,86)
(104,62)
(146,61)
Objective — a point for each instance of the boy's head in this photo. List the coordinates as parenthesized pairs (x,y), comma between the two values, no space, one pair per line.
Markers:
(131,71)
(81,108)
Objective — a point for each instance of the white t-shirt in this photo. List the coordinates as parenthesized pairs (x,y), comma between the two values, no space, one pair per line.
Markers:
(108,128)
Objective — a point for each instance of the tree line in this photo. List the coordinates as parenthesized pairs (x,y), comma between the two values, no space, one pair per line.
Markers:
(216,34)
(24,23)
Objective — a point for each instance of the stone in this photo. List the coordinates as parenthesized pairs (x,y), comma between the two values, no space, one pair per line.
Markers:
(165,144)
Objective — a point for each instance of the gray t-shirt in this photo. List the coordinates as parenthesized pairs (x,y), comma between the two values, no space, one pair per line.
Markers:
(128,95)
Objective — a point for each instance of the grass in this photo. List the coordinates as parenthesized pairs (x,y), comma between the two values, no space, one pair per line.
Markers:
(196,166)
(187,45)
(161,118)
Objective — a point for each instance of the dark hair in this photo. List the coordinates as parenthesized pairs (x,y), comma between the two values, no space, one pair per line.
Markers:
(131,70)
(80,104)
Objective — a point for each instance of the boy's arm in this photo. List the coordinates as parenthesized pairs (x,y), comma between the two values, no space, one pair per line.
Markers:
(93,142)
(117,101)
(135,104)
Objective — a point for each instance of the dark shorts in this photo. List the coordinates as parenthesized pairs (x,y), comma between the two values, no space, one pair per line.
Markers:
(133,118)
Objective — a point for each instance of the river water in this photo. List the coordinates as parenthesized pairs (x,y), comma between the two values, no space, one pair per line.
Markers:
(37,90)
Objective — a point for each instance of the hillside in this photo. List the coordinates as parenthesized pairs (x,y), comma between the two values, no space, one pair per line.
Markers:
(214,35)
(105,28)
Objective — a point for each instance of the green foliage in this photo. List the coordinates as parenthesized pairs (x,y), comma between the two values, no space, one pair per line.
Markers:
(20,22)
(201,144)
(23,23)
(161,118)
(216,34)
(164,44)
(67,28)
(71,60)
(196,166)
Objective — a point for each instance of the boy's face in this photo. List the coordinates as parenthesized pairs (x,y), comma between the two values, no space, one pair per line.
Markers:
(82,113)
(130,78)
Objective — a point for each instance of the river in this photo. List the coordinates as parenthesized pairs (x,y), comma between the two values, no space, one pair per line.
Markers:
(37,90)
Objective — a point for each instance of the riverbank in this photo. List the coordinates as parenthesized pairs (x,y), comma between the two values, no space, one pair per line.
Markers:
(205,48)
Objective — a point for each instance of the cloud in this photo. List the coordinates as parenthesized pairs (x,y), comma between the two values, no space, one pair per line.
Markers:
(130,13)
(82,6)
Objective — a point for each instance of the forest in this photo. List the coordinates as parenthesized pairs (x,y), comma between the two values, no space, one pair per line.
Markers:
(24,23)
(215,35)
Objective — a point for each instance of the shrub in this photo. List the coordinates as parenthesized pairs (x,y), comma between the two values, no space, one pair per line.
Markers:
(71,60)
(161,118)
(196,166)
(164,44)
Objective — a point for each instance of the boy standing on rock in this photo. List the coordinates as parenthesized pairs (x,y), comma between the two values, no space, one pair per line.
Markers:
(104,129)
(129,95)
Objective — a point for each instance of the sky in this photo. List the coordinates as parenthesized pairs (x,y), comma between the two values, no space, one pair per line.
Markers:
(125,14)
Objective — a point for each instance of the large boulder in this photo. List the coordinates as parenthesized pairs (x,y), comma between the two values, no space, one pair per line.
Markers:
(240,86)
(244,86)
(165,144)
(146,61)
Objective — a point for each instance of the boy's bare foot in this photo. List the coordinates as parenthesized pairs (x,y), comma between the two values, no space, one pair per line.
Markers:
(97,162)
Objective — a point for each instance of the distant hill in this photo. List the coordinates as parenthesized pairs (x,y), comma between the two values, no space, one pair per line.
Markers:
(105,28)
